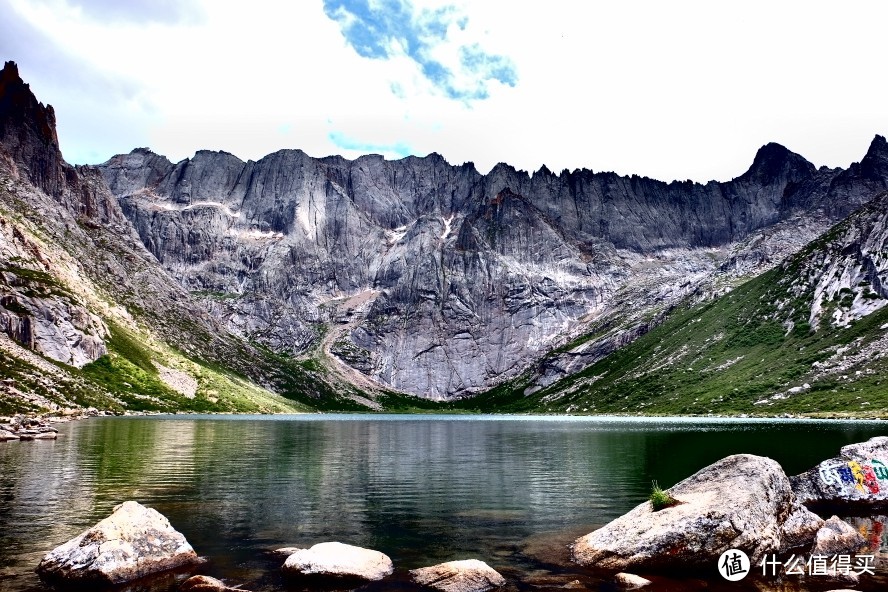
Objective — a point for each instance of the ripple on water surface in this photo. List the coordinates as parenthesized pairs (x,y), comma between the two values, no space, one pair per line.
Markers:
(511,491)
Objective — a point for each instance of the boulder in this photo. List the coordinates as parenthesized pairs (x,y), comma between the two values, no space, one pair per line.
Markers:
(134,541)
(206,584)
(837,537)
(856,479)
(7,435)
(800,528)
(628,581)
(740,502)
(469,575)
(339,560)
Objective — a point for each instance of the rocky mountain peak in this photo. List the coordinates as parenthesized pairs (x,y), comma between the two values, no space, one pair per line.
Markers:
(875,163)
(472,276)
(28,132)
(878,146)
(29,146)
(19,105)
(774,162)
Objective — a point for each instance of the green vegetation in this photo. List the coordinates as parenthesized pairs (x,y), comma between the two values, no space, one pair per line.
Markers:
(132,386)
(738,354)
(393,402)
(661,499)
(35,283)
(126,345)
(752,351)
(53,386)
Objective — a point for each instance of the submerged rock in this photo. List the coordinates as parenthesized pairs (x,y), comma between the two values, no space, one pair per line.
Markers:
(286,551)
(855,479)
(629,581)
(339,560)
(837,537)
(469,575)
(206,584)
(740,502)
(134,541)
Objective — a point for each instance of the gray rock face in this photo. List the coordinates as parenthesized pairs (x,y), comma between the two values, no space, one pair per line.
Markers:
(340,561)
(134,541)
(848,276)
(468,575)
(740,502)
(477,275)
(856,479)
(70,262)
(56,327)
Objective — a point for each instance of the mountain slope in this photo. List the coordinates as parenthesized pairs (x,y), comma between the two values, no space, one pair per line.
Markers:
(475,277)
(302,283)
(808,336)
(89,318)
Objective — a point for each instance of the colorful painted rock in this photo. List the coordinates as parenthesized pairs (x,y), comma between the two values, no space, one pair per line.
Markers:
(856,479)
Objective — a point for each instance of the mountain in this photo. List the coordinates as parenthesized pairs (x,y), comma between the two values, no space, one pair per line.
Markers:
(88,317)
(808,336)
(435,280)
(298,283)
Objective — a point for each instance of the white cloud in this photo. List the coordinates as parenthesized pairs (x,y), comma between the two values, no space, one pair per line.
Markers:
(669,90)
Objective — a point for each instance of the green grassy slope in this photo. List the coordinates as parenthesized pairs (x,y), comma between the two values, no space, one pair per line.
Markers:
(153,328)
(751,352)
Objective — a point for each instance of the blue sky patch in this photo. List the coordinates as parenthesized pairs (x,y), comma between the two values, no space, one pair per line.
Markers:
(398,149)
(382,29)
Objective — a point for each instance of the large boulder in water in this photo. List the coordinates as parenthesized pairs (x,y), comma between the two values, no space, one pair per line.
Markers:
(134,541)
(740,502)
(340,561)
(468,575)
(856,479)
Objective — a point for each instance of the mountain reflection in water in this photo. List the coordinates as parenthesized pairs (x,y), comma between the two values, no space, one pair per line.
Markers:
(511,491)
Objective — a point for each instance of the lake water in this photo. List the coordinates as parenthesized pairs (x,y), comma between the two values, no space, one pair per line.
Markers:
(511,491)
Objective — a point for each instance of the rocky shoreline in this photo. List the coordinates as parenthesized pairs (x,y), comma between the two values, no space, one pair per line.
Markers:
(746,504)
(39,426)
(25,428)
(743,505)
(136,542)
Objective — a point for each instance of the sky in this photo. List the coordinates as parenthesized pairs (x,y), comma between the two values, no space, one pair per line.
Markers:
(671,90)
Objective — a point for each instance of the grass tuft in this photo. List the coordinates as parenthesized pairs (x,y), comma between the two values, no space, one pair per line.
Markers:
(661,499)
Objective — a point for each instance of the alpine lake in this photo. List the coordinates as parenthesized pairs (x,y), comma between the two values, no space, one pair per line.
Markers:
(513,491)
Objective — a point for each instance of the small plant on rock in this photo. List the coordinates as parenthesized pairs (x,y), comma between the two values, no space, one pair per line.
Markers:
(661,499)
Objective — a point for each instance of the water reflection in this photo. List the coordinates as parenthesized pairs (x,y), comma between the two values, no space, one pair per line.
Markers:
(423,490)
